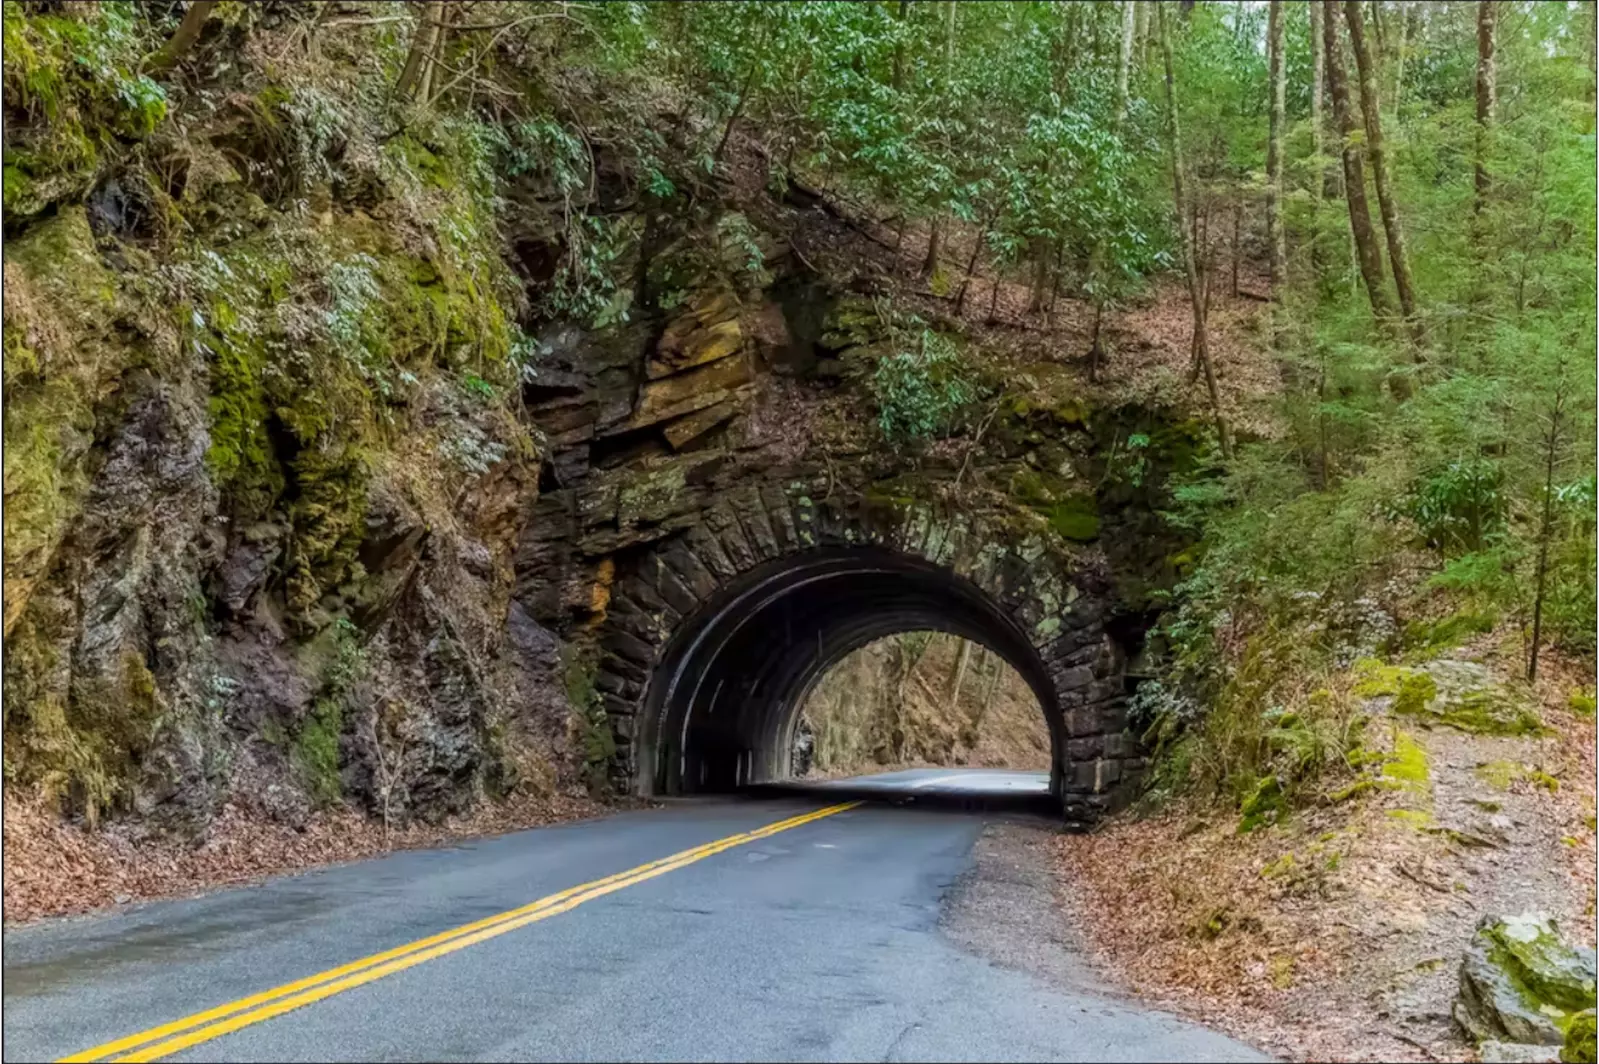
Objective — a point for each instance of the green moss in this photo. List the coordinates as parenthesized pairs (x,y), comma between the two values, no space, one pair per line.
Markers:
(1282,866)
(1428,636)
(1538,964)
(317,750)
(1354,789)
(1408,763)
(1373,679)
(1419,819)
(74,95)
(316,746)
(1581,702)
(1483,709)
(1075,519)
(1264,803)
(1579,1046)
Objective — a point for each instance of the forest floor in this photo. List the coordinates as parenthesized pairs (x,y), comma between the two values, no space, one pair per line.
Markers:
(57,868)
(1337,934)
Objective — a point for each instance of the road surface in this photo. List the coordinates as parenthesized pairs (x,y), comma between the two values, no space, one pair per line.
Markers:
(785,929)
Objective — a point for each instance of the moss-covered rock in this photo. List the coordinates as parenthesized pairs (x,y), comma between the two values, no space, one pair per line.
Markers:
(1579,1047)
(1520,983)
(1263,804)
(1461,694)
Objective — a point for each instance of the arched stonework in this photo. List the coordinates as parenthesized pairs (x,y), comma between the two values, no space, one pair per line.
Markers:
(712,635)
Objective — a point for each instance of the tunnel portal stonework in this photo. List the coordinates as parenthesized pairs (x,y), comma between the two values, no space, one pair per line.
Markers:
(717,523)
(710,636)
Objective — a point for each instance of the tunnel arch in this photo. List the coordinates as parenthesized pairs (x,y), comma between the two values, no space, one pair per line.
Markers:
(713,632)
(722,703)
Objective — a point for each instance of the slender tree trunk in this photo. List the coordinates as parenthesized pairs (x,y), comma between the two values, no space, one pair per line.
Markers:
(1096,263)
(1184,214)
(1367,254)
(1593,51)
(1487,98)
(1545,527)
(1377,148)
(1124,60)
(1275,236)
(930,263)
(178,45)
(1401,47)
(430,68)
(422,43)
(971,261)
(738,107)
(898,76)
(1238,225)
(960,675)
(1319,183)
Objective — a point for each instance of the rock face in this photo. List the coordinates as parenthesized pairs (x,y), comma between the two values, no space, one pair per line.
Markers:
(316,507)
(1520,983)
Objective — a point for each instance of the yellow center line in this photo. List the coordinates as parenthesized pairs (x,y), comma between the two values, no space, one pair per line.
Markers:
(212,1023)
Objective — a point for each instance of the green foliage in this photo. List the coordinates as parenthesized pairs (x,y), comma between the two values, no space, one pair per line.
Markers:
(74,95)
(591,727)
(1460,507)
(923,391)
(316,747)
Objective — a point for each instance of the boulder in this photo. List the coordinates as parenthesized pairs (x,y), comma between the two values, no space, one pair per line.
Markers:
(1520,983)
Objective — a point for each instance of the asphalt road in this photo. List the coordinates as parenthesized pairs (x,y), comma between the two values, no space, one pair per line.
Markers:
(818,940)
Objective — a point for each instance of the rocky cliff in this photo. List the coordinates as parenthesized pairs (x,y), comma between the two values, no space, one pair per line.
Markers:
(330,423)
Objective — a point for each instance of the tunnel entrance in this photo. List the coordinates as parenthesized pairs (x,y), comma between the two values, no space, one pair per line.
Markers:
(723,700)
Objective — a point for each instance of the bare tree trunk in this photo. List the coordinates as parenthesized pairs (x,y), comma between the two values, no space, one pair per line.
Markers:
(1124,61)
(1377,148)
(1401,47)
(1275,236)
(1369,258)
(930,263)
(1096,264)
(1487,98)
(960,674)
(178,45)
(898,75)
(1546,525)
(430,69)
(422,45)
(1318,141)
(1238,225)
(971,261)
(1180,197)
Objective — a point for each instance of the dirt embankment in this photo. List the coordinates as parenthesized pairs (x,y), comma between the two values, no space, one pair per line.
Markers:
(1338,932)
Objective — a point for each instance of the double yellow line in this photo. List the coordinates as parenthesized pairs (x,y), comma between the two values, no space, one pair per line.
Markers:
(201,1027)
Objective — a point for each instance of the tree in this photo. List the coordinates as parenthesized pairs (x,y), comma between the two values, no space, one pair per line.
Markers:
(1553,443)
(1377,149)
(1275,236)
(1487,93)
(1096,270)
(424,46)
(178,45)
(1196,294)
(1366,252)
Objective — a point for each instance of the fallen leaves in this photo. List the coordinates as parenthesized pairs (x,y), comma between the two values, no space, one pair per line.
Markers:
(54,868)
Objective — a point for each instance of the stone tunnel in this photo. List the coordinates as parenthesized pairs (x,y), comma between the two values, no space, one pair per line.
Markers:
(710,637)
(711,572)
